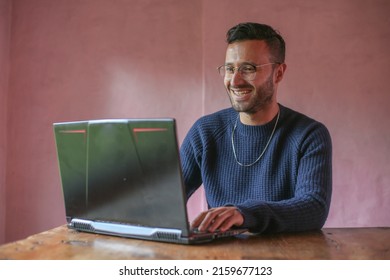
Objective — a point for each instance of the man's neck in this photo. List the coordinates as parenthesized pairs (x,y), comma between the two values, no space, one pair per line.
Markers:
(261,117)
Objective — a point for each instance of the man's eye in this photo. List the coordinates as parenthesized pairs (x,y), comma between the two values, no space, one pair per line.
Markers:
(229,70)
(247,69)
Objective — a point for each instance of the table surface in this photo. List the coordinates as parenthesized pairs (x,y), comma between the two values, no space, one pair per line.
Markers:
(62,243)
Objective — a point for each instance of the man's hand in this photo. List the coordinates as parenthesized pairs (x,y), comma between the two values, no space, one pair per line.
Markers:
(221,218)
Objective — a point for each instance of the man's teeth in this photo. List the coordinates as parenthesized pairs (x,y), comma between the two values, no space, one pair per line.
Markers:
(241,92)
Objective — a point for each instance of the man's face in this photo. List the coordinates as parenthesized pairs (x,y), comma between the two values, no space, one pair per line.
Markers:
(254,95)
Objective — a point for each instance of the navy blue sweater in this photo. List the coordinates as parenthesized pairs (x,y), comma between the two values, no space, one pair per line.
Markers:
(288,189)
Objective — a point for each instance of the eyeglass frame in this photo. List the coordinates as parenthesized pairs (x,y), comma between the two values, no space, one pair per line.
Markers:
(244,64)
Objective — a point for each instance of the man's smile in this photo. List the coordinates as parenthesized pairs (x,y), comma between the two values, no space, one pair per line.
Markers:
(241,94)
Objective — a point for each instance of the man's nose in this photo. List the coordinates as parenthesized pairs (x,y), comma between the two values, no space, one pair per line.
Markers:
(237,78)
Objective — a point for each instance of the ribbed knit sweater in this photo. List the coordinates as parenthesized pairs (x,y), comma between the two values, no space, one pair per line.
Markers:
(288,189)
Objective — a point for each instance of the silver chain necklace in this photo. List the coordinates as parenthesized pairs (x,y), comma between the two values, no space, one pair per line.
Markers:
(266,146)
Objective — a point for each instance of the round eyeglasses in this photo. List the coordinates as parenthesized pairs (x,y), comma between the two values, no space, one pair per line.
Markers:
(247,70)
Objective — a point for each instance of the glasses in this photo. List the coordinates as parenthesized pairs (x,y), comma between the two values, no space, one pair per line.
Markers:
(247,70)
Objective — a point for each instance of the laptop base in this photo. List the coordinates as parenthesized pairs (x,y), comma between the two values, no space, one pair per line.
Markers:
(148,233)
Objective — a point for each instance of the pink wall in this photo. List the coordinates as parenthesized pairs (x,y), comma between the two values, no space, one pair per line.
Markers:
(80,59)
(5,16)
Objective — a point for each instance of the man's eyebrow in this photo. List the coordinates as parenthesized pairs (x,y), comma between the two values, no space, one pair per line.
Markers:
(244,62)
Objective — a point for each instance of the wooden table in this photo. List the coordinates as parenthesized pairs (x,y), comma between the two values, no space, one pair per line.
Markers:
(331,243)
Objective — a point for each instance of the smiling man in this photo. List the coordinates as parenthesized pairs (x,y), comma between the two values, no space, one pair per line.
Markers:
(264,166)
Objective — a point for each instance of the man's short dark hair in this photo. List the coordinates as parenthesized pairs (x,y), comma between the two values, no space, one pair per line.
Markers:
(258,31)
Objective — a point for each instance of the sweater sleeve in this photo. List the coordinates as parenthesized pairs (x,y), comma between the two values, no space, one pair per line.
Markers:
(309,207)
(190,161)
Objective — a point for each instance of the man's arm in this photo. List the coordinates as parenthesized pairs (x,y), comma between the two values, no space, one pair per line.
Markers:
(309,207)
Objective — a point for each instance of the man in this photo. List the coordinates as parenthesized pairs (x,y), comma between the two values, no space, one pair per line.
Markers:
(264,166)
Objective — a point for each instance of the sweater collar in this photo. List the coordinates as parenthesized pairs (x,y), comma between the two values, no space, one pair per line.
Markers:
(256,130)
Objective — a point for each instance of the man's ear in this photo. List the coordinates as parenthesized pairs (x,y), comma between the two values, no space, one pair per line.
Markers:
(279,73)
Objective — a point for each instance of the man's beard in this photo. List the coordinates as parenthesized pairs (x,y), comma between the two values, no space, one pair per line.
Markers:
(264,96)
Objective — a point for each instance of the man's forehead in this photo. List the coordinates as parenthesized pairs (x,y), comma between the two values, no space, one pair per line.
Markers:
(251,50)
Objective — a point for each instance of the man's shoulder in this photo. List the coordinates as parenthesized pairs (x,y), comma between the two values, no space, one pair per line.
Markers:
(213,126)
(217,119)
(300,126)
(300,119)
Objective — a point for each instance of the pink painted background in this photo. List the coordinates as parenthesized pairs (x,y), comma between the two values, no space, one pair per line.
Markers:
(63,60)
(5,18)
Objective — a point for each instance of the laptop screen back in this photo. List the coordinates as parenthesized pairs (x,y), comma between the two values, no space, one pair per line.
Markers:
(123,171)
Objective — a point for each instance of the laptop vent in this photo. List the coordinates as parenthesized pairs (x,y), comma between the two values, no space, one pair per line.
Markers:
(83,226)
(167,236)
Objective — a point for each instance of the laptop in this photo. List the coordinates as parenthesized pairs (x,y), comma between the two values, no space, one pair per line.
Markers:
(123,177)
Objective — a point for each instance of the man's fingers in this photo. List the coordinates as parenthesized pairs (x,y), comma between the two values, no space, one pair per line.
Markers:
(209,219)
(221,218)
(198,220)
(235,220)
